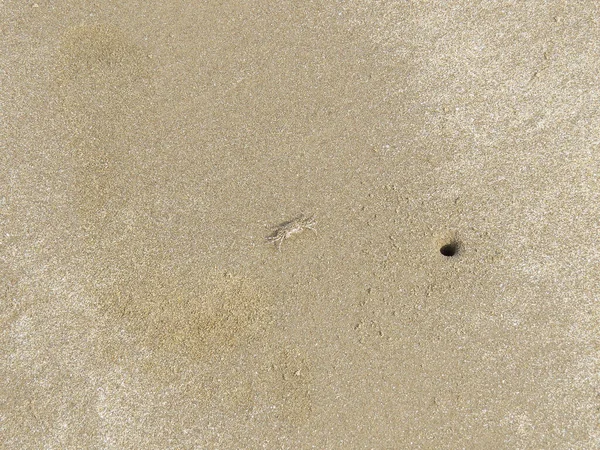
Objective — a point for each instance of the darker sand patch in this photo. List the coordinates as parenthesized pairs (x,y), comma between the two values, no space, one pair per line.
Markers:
(103,84)
(101,53)
(195,315)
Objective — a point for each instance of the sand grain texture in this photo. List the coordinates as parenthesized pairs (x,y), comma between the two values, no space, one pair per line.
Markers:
(147,147)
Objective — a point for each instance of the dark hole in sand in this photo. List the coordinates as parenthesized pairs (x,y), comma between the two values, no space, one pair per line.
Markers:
(449,249)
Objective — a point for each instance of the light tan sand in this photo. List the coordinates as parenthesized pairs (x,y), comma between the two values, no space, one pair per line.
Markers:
(149,147)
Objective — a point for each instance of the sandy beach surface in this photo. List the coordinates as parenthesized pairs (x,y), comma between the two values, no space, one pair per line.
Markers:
(449,153)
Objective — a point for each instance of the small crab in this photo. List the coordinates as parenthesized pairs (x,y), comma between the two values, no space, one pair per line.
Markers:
(286,229)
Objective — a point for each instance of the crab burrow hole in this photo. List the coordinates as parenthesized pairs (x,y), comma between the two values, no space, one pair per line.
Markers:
(450,248)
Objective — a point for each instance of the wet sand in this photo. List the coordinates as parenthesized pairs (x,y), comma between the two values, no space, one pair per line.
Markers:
(449,154)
